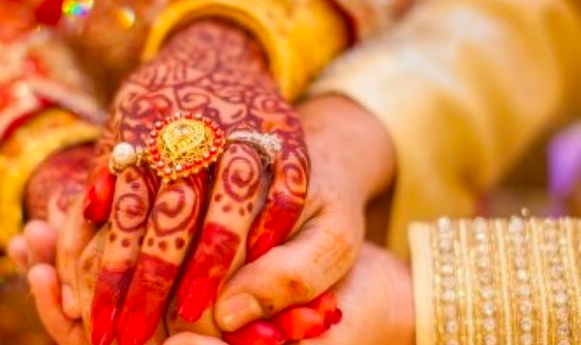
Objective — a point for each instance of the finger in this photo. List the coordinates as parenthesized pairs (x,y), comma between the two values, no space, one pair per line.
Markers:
(192,339)
(291,325)
(174,219)
(73,236)
(18,252)
(292,274)
(40,241)
(284,202)
(371,297)
(233,204)
(45,288)
(257,332)
(134,195)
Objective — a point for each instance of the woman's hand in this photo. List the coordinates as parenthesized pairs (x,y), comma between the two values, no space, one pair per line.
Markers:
(217,71)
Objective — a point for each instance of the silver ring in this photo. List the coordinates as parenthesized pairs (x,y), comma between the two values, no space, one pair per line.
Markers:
(267,145)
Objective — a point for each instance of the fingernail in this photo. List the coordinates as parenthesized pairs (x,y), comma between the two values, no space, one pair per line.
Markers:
(195,298)
(104,327)
(99,197)
(238,311)
(134,329)
(259,332)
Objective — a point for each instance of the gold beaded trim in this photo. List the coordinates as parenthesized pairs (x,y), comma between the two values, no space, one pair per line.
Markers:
(515,281)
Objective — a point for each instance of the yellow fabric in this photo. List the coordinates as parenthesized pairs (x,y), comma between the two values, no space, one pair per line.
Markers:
(24,150)
(300,37)
(462,86)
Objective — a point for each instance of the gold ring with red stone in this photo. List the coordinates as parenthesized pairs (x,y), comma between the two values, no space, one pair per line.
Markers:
(183,145)
(179,146)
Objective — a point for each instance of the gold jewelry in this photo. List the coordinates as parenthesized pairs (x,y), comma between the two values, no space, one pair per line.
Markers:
(267,145)
(183,145)
(123,156)
(501,281)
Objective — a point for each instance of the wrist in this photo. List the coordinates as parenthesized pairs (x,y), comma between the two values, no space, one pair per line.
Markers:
(351,142)
(239,58)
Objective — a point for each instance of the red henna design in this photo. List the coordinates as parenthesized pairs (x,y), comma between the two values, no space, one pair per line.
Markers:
(278,218)
(172,213)
(184,217)
(134,202)
(255,333)
(145,301)
(206,270)
(310,321)
(109,296)
(291,325)
(70,169)
(241,175)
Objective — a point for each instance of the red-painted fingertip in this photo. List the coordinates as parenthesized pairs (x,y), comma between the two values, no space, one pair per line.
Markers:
(104,324)
(107,301)
(99,197)
(146,300)
(255,333)
(264,243)
(194,297)
(300,323)
(135,329)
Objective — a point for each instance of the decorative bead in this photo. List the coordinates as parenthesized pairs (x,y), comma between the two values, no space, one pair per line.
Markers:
(526,339)
(526,324)
(123,156)
(490,339)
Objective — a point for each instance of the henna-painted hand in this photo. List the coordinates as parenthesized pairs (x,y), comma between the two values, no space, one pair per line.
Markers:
(295,323)
(214,69)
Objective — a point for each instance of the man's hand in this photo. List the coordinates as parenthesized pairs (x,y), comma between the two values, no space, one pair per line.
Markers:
(376,298)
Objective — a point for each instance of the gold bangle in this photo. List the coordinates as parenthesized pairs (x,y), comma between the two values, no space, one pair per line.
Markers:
(23,151)
(299,37)
(511,281)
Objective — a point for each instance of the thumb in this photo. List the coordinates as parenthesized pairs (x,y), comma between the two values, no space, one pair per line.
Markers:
(192,339)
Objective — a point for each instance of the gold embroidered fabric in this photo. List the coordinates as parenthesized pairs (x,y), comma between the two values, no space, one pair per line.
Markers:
(498,281)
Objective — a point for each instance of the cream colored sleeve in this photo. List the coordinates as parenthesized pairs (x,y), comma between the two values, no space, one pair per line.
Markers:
(462,87)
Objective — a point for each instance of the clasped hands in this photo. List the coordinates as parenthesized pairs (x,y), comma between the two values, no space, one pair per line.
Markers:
(244,251)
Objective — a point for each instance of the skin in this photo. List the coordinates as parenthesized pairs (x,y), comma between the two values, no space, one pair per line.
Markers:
(214,69)
(329,232)
(331,224)
(376,296)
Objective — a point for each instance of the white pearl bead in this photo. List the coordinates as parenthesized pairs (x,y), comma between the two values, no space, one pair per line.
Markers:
(124,155)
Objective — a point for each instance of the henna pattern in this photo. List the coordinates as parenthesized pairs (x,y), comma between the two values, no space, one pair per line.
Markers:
(241,177)
(219,71)
(132,206)
(70,167)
